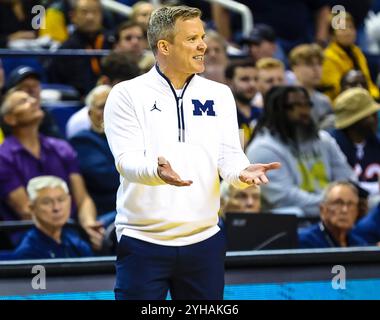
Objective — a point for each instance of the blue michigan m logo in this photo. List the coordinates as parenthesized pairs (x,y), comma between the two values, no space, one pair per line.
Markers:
(200,108)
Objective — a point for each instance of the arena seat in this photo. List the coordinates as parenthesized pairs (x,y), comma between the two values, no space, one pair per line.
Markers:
(62,111)
(10,63)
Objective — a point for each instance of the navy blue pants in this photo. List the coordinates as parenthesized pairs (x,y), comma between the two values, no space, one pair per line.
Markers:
(147,271)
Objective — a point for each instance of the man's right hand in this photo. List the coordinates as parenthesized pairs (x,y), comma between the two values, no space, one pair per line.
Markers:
(168,175)
(95,232)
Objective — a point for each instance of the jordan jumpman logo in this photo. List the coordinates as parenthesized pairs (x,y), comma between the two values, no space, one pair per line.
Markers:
(155,107)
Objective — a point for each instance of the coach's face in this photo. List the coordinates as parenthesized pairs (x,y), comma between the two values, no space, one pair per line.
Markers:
(187,49)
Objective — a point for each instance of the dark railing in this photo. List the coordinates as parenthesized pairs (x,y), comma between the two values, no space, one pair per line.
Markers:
(53,53)
(241,259)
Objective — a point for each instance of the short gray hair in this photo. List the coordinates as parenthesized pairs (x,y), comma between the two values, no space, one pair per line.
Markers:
(38,183)
(95,91)
(162,22)
(334,184)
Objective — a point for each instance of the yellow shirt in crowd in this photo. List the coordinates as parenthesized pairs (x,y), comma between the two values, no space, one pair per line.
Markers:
(55,25)
(337,62)
(1,136)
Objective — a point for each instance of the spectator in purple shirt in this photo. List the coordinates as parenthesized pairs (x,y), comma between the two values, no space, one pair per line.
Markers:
(27,79)
(26,154)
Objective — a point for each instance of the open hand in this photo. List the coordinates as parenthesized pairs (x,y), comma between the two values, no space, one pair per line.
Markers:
(167,174)
(255,173)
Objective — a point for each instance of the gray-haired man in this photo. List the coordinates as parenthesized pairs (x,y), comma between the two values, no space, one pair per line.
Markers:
(168,236)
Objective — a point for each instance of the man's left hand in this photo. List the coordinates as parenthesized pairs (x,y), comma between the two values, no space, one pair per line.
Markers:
(256,173)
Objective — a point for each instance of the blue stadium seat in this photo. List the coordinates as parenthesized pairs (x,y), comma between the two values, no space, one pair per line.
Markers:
(6,255)
(62,111)
(11,63)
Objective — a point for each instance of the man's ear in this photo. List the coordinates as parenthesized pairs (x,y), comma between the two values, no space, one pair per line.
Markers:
(163,47)
(9,119)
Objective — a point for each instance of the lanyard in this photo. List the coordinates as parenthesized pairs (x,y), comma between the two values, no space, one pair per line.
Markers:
(327,236)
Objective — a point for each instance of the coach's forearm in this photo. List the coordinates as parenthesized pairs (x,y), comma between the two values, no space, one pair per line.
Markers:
(138,169)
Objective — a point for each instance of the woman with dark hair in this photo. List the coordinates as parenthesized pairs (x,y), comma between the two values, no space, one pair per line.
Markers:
(343,55)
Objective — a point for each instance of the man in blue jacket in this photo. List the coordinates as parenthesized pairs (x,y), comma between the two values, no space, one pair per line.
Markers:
(50,207)
(339,211)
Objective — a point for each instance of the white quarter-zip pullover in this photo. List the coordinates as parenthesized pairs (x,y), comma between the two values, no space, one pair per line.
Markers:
(196,132)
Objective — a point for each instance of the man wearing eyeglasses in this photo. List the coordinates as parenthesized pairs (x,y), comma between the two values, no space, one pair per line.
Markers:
(89,34)
(338,212)
(50,204)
